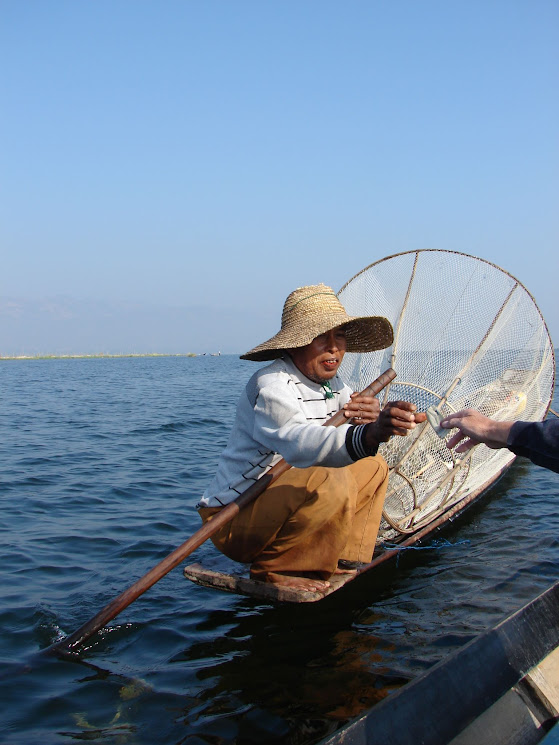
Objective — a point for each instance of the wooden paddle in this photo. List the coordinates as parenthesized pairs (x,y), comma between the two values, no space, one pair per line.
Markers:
(117,605)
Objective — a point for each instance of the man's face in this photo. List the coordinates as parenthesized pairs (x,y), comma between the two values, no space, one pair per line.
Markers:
(319,360)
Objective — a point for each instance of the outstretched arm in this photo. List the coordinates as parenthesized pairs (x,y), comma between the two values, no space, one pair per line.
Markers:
(477,428)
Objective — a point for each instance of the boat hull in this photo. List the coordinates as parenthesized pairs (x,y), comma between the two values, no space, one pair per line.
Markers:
(500,689)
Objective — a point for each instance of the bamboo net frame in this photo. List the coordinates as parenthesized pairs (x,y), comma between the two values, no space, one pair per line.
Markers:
(467,334)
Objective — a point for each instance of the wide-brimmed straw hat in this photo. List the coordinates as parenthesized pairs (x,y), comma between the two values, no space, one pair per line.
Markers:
(314,310)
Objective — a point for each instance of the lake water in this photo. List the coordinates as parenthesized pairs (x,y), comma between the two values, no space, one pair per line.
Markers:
(103,461)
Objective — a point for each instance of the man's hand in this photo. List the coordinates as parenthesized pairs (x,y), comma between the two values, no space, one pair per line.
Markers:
(478,428)
(397,418)
(362,409)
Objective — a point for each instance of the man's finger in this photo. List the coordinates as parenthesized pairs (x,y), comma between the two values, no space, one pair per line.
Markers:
(402,405)
(455,439)
(466,445)
(401,415)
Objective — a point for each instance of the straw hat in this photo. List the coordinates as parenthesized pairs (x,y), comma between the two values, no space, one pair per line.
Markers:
(314,310)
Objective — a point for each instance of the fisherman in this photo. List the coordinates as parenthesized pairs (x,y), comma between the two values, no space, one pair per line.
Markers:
(322,516)
(538,441)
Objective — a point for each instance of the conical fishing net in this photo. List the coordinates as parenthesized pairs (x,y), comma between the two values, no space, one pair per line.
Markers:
(466,335)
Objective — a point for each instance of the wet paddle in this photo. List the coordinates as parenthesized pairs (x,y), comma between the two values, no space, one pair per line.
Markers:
(110,611)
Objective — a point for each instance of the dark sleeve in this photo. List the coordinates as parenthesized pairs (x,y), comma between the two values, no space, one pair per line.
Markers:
(355,442)
(538,441)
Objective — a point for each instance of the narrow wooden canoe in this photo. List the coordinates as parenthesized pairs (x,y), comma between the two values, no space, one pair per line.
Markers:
(229,576)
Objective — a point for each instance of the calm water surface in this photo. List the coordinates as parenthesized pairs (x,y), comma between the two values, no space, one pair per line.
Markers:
(103,461)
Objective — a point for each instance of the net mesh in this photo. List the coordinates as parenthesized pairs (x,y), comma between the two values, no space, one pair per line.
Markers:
(466,335)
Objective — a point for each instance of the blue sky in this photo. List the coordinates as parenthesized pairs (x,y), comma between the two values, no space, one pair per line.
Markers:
(171,170)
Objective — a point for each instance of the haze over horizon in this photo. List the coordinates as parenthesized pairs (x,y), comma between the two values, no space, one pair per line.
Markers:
(172,170)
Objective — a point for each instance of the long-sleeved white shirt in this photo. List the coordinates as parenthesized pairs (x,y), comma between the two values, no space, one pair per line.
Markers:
(280,414)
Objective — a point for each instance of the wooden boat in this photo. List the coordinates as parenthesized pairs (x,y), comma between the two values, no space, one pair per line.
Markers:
(229,576)
(498,360)
(500,689)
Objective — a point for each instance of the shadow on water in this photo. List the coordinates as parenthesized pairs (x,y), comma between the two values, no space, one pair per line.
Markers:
(258,674)
(294,672)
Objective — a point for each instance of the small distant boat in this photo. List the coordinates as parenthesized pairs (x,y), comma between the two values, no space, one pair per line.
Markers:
(216,354)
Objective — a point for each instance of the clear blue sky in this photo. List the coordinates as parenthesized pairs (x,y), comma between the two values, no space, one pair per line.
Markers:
(170,170)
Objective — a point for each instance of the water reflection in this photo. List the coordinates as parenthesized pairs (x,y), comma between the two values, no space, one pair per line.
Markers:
(306,667)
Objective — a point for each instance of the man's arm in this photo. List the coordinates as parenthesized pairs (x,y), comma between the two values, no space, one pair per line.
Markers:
(281,426)
(478,428)
(538,441)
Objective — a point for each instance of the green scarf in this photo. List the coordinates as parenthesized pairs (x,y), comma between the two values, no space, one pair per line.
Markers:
(327,388)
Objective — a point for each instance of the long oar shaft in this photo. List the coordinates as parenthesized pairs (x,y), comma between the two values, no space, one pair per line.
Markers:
(222,517)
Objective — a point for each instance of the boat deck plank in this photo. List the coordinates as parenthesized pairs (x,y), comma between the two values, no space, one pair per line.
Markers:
(243,585)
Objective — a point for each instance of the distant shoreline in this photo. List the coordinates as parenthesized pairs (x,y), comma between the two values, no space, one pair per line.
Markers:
(93,356)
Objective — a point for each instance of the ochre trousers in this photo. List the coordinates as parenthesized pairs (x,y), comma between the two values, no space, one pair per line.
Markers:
(307,520)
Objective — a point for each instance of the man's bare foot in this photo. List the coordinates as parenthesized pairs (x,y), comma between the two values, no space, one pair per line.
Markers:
(298,583)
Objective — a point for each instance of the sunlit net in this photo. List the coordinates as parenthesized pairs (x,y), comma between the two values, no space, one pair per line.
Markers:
(467,335)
